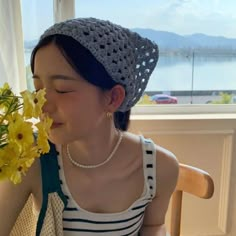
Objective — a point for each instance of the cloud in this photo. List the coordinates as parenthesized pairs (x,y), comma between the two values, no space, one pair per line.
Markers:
(193,16)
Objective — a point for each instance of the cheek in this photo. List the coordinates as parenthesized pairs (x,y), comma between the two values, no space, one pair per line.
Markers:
(70,109)
(67,110)
(81,108)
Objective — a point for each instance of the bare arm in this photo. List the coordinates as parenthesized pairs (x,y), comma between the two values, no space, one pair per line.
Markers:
(12,200)
(167,174)
(158,230)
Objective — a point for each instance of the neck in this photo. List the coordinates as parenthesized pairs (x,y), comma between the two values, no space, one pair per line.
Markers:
(94,149)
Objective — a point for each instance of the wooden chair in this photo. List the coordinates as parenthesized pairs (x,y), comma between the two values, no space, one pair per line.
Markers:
(191,180)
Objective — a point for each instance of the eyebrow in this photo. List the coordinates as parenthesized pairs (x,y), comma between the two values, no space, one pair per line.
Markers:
(56,77)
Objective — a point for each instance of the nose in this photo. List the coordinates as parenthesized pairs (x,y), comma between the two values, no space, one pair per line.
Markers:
(49,105)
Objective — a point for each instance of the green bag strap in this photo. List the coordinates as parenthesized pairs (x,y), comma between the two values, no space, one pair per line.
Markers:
(50,182)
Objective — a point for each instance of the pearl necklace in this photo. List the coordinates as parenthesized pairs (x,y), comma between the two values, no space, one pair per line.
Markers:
(98,165)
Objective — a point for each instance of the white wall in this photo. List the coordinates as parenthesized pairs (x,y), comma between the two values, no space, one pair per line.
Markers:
(207,142)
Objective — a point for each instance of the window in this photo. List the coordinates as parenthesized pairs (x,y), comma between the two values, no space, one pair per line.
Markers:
(36,17)
(197,43)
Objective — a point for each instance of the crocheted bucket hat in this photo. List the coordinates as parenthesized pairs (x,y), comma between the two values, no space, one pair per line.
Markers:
(127,57)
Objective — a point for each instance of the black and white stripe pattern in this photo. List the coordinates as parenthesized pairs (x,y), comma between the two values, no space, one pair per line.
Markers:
(78,221)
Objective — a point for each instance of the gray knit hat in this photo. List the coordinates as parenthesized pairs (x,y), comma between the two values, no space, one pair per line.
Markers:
(127,57)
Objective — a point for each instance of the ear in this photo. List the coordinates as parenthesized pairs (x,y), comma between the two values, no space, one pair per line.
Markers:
(115,97)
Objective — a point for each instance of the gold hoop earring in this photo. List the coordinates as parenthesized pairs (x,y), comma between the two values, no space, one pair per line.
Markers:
(109,115)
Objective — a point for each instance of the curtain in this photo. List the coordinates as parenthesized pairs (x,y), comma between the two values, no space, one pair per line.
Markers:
(12,66)
(64,10)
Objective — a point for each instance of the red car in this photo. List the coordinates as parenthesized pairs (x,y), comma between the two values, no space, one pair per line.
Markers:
(164,99)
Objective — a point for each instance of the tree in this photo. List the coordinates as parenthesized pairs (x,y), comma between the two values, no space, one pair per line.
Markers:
(226,98)
(146,100)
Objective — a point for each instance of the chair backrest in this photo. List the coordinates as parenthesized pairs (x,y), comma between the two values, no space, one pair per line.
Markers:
(191,180)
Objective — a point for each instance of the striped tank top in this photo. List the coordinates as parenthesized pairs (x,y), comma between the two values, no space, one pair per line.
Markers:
(78,221)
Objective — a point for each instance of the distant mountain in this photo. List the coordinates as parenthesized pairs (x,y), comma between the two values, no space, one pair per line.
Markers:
(29,44)
(203,40)
(172,42)
(168,41)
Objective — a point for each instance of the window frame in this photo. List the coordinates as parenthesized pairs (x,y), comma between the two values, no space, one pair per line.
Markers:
(69,7)
(179,109)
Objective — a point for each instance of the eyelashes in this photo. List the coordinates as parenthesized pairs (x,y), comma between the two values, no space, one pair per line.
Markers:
(59,91)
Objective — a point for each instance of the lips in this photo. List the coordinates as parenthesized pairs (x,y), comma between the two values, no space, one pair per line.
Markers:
(55,125)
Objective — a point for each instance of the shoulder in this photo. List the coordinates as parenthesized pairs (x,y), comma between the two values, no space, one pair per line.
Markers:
(167,165)
(165,162)
(167,170)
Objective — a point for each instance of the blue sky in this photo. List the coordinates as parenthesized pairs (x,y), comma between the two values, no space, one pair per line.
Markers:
(212,17)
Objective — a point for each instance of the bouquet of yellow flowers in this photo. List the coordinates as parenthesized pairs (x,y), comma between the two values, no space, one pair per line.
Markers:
(23,137)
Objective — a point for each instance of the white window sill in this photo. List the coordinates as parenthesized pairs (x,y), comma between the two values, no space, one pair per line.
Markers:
(183,117)
(180,112)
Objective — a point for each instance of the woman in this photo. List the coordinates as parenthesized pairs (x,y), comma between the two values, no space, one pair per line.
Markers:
(98,178)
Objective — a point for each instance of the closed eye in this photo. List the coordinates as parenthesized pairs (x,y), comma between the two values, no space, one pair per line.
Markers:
(60,91)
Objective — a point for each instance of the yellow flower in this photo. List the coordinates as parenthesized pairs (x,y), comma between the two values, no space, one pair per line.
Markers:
(7,99)
(5,90)
(20,131)
(14,164)
(18,145)
(33,103)
(47,123)
(14,171)
(27,157)
(8,154)
(21,165)
(42,136)
(16,177)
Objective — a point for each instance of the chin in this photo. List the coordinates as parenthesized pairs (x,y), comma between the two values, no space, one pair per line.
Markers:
(59,139)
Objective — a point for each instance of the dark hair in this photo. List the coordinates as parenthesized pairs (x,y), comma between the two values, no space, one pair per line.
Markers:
(85,64)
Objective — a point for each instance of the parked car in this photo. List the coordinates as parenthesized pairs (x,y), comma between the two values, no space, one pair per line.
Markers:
(164,99)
